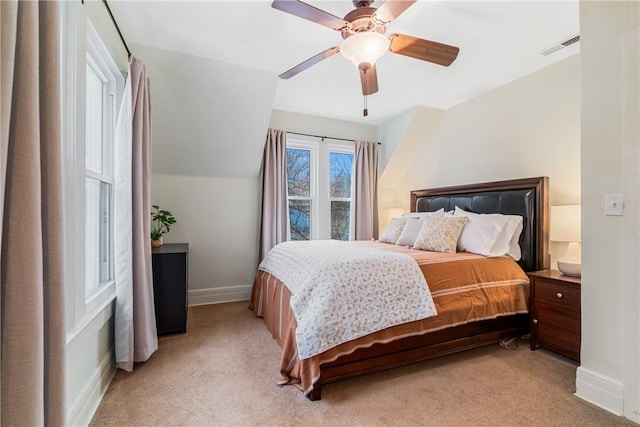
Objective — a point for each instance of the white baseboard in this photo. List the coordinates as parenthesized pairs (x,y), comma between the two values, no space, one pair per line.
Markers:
(219,295)
(85,406)
(599,390)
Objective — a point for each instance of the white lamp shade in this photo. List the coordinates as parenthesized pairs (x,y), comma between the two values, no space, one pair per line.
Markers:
(365,47)
(565,223)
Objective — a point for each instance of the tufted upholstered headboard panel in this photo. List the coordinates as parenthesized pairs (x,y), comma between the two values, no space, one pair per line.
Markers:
(526,197)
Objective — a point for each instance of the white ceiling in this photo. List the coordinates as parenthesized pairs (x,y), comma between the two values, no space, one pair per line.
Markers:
(499,41)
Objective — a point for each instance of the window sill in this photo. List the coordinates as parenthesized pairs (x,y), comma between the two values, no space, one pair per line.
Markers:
(95,306)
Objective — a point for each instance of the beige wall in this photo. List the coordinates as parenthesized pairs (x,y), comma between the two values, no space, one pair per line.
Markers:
(530,127)
(610,40)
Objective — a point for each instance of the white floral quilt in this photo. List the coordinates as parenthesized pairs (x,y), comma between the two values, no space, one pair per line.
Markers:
(342,290)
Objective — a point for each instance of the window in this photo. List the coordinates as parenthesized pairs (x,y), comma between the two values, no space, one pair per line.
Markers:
(99,125)
(319,190)
(300,188)
(92,88)
(340,167)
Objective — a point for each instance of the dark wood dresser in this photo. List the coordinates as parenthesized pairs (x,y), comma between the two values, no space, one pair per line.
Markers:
(555,312)
(170,264)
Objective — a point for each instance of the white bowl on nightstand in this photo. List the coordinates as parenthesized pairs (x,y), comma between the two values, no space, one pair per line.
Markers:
(570,268)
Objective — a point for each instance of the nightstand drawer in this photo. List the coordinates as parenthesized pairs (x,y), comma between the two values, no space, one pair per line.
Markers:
(561,297)
(558,332)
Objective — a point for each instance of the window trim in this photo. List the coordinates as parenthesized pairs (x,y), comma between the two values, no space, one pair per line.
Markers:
(101,62)
(81,45)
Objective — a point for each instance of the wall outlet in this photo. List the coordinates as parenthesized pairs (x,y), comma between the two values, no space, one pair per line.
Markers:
(613,205)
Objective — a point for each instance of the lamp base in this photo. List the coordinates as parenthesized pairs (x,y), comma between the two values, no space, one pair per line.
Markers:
(570,268)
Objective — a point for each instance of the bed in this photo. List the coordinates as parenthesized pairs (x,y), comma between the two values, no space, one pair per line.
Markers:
(423,339)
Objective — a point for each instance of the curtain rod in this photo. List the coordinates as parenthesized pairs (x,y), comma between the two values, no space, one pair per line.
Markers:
(326,137)
(113,19)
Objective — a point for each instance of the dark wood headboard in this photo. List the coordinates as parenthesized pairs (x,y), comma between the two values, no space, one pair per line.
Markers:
(528,197)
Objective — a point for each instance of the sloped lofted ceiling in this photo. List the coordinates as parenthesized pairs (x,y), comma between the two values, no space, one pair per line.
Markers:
(499,42)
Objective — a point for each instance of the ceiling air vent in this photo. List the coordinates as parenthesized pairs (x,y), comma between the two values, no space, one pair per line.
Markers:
(561,45)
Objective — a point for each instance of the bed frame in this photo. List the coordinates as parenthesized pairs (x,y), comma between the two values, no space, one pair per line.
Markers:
(527,197)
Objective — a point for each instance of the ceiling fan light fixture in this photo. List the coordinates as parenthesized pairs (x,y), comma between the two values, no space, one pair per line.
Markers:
(366,47)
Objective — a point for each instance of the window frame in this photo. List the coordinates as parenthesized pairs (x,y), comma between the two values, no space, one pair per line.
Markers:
(82,46)
(98,65)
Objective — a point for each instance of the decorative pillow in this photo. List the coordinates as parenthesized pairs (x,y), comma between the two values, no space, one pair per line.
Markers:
(411,229)
(490,234)
(423,215)
(393,231)
(440,234)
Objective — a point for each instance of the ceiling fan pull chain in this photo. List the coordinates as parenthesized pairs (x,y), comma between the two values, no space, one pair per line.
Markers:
(365,112)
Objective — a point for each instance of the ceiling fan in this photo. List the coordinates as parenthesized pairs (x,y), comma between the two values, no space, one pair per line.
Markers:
(364,42)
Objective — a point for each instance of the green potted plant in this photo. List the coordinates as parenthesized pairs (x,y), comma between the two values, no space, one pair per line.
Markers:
(161,222)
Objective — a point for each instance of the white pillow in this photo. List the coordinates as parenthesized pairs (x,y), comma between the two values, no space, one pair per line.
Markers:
(440,234)
(483,234)
(393,231)
(423,215)
(482,228)
(516,223)
(411,229)
(510,236)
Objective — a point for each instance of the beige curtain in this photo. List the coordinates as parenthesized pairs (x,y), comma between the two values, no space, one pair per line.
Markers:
(365,167)
(33,332)
(143,336)
(274,224)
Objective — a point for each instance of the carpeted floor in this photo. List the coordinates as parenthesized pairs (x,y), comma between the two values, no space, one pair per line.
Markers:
(223,372)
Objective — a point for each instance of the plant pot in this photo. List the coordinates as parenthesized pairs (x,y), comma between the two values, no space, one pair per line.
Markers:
(156,243)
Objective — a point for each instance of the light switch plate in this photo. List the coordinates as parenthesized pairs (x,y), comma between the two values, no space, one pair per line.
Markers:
(613,205)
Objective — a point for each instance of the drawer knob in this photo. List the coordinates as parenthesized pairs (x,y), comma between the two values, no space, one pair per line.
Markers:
(535,321)
(559,295)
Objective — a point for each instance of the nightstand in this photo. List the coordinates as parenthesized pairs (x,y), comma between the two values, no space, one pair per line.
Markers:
(170,283)
(555,312)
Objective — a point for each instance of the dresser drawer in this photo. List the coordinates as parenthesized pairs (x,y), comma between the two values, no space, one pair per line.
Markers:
(561,297)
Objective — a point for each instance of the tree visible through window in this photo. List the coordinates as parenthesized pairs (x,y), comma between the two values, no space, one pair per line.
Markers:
(319,197)
(340,166)
(299,191)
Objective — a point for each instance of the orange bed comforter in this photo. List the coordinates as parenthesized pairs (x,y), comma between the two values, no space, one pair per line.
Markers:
(465,288)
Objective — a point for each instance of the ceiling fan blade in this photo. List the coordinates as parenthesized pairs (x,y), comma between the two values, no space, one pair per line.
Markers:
(309,62)
(425,50)
(391,9)
(306,11)
(369,80)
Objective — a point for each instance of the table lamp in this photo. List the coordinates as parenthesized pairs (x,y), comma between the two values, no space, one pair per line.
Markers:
(565,227)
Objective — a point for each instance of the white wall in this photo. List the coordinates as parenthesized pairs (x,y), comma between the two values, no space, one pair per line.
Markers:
(209,121)
(209,118)
(609,373)
(215,191)
(219,218)
(303,123)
